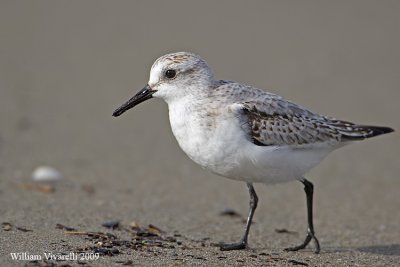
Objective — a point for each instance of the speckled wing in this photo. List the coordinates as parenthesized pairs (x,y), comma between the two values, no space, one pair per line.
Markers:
(287,124)
(271,120)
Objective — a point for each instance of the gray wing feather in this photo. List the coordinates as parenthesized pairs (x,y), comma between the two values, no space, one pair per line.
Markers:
(295,128)
(272,120)
(287,128)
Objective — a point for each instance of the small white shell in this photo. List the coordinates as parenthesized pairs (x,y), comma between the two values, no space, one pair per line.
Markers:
(46,174)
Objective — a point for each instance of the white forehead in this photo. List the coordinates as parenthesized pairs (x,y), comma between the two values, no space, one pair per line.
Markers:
(155,73)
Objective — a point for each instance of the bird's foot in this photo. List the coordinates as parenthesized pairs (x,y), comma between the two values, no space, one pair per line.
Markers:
(309,237)
(233,246)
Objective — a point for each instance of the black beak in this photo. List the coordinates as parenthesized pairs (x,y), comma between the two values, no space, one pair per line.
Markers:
(142,95)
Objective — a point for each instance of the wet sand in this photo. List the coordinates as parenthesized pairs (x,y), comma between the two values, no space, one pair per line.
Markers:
(65,66)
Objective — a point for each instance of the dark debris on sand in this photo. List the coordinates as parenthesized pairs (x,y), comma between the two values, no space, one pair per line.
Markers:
(150,241)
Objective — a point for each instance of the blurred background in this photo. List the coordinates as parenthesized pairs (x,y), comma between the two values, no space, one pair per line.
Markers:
(66,65)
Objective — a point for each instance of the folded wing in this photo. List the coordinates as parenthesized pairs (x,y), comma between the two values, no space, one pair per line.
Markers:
(286,124)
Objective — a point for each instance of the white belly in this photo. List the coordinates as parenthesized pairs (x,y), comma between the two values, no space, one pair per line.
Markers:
(219,144)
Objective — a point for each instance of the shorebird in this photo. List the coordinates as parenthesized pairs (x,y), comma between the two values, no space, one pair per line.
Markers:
(244,133)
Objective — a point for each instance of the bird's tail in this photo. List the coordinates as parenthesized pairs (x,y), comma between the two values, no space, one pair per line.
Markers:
(360,132)
(352,132)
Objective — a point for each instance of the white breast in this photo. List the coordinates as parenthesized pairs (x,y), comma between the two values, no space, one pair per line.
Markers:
(210,139)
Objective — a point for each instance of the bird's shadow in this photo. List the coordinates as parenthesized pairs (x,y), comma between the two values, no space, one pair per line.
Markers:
(388,250)
(392,250)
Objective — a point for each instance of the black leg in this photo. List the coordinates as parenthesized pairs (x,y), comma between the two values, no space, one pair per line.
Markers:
(309,189)
(242,244)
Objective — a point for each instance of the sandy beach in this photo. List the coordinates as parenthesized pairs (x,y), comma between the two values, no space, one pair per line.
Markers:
(128,195)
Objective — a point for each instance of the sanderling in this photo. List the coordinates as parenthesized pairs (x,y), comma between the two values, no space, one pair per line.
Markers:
(243,133)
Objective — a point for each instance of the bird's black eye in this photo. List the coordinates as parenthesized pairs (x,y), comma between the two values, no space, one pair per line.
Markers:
(170,74)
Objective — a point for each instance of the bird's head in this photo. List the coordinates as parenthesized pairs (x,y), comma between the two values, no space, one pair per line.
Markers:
(173,77)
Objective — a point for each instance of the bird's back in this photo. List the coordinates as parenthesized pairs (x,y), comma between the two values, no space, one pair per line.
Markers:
(273,120)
